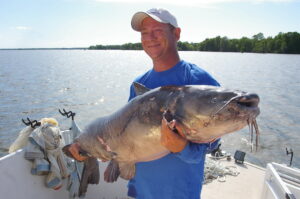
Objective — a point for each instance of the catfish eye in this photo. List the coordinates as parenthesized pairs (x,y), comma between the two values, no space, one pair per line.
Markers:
(214,100)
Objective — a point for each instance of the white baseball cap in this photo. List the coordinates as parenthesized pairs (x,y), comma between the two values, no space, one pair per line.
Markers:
(159,14)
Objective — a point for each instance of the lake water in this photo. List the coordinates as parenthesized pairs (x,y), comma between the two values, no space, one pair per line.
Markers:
(36,83)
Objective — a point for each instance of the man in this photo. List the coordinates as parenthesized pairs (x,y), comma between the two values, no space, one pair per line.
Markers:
(180,173)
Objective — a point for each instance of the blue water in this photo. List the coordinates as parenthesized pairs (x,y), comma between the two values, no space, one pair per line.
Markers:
(36,83)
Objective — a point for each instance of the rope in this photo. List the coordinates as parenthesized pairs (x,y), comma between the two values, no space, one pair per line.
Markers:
(213,169)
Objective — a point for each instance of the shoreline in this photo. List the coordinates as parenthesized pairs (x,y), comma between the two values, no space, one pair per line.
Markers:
(80,48)
(11,49)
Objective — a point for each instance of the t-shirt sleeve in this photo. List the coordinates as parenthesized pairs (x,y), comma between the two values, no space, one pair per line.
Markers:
(201,77)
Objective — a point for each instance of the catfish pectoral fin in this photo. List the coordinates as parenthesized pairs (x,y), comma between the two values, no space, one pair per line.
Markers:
(127,170)
(112,171)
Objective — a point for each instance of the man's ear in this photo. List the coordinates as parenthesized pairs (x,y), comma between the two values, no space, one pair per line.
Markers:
(177,32)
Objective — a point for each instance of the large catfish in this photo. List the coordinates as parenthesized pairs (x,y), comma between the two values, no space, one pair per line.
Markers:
(133,133)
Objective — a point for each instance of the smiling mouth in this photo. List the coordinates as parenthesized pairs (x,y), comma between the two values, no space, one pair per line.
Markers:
(153,46)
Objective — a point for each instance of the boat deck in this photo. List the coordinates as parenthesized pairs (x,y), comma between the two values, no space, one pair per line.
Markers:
(17,182)
(248,184)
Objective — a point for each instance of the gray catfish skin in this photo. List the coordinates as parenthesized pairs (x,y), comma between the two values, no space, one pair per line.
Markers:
(133,132)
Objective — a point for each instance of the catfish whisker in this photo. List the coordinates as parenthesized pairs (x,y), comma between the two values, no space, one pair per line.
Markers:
(253,127)
(256,132)
(251,134)
(220,109)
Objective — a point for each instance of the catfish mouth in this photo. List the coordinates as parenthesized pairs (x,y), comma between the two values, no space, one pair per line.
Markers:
(249,101)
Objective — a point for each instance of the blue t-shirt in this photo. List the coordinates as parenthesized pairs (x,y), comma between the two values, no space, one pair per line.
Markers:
(176,175)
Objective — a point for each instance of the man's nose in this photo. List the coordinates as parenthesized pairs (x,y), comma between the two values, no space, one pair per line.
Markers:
(150,36)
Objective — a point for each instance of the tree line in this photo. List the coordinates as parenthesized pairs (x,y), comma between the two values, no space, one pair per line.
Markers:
(287,43)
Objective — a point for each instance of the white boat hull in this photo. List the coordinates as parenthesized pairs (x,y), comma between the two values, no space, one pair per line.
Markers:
(17,182)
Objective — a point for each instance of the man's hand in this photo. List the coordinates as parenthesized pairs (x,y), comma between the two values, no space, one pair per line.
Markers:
(171,140)
(74,151)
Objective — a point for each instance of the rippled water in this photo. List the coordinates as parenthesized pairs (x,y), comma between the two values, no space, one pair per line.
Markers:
(36,83)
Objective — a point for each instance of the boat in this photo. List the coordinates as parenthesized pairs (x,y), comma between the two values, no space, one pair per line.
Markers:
(17,182)
(276,181)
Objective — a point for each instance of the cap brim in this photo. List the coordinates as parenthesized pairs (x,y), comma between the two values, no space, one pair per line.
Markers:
(136,21)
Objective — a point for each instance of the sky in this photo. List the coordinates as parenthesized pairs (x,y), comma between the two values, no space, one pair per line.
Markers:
(82,23)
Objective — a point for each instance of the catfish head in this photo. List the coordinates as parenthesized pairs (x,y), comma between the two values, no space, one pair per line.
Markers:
(208,112)
(205,113)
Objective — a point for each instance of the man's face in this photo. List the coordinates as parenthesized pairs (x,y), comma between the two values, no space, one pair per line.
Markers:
(158,39)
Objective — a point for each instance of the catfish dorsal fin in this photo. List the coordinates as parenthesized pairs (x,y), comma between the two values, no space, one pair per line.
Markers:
(140,89)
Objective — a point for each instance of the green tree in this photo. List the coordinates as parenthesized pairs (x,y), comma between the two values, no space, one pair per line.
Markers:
(245,44)
(281,43)
(259,36)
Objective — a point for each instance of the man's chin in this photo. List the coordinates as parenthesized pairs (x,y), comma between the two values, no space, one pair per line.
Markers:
(154,55)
